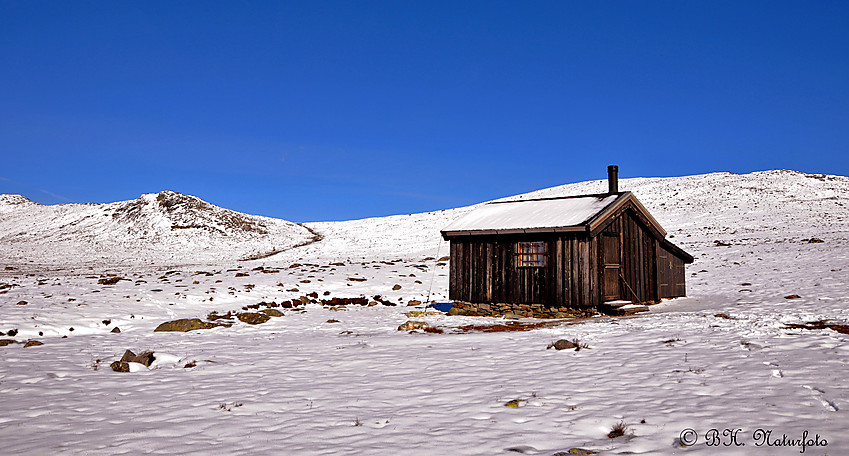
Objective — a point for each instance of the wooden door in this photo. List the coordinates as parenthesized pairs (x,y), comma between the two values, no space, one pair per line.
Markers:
(611,249)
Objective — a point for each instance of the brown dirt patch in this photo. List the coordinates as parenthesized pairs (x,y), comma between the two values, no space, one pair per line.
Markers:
(822,324)
(510,327)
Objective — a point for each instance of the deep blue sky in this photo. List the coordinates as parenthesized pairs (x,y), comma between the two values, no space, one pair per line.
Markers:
(336,110)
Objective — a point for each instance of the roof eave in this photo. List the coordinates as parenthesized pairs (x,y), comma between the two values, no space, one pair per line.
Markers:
(559,229)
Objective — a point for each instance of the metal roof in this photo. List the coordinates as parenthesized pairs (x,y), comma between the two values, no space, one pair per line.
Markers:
(541,215)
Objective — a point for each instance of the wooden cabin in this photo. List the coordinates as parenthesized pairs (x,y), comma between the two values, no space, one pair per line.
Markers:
(575,252)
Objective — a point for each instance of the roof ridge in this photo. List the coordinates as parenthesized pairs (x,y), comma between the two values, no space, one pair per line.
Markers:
(593,195)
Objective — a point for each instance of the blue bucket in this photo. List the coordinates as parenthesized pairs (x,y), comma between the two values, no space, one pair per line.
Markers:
(443,306)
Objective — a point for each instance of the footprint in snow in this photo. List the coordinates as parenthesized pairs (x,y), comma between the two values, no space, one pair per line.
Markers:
(819,395)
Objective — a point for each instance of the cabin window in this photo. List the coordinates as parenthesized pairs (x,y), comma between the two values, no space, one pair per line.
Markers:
(531,254)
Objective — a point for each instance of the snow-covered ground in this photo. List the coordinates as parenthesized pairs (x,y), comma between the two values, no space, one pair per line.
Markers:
(722,358)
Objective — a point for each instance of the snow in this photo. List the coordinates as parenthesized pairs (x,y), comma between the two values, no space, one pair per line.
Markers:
(721,358)
(161,229)
(550,213)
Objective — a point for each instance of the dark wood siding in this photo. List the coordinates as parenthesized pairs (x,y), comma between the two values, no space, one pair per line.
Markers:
(484,269)
(636,274)
(670,274)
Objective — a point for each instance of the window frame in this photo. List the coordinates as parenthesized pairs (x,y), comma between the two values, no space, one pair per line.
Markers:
(531,254)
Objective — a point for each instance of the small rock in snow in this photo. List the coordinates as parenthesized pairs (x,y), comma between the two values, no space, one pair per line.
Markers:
(411,325)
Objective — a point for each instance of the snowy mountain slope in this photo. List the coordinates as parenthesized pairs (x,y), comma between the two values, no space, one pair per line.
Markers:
(178,229)
(163,228)
(695,211)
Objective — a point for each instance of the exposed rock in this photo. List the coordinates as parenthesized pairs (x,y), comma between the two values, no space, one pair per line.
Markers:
(793,296)
(344,301)
(128,356)
(463,311)
(110,280)
(144,358)
(253,318)
(272,312)
(357,279)
(22,303)
(116,330)
(5,342)
(396,287)
(411,325)
(563,344)
(185,324)
(12,332)
(214,316)
(445,258)
(33,343)
(120,366)
(414,302)
(575,451)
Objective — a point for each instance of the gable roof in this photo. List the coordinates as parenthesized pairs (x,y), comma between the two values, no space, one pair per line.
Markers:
(587,213)
(545,215)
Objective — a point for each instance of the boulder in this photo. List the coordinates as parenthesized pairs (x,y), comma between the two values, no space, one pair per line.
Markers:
(146,357)
(253,318)
(110,280)
(272,312)
(115,330)
(563,344)
(411,325)
(120,366)
(33,343)
(184,325)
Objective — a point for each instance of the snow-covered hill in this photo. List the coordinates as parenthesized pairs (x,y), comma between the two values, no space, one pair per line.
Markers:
(742,351)
(169,228)
(695,211)
(166,228)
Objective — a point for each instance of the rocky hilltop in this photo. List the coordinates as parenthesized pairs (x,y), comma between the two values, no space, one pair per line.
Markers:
(159,228)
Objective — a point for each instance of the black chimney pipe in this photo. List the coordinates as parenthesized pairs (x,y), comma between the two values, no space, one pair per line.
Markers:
(612,179)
